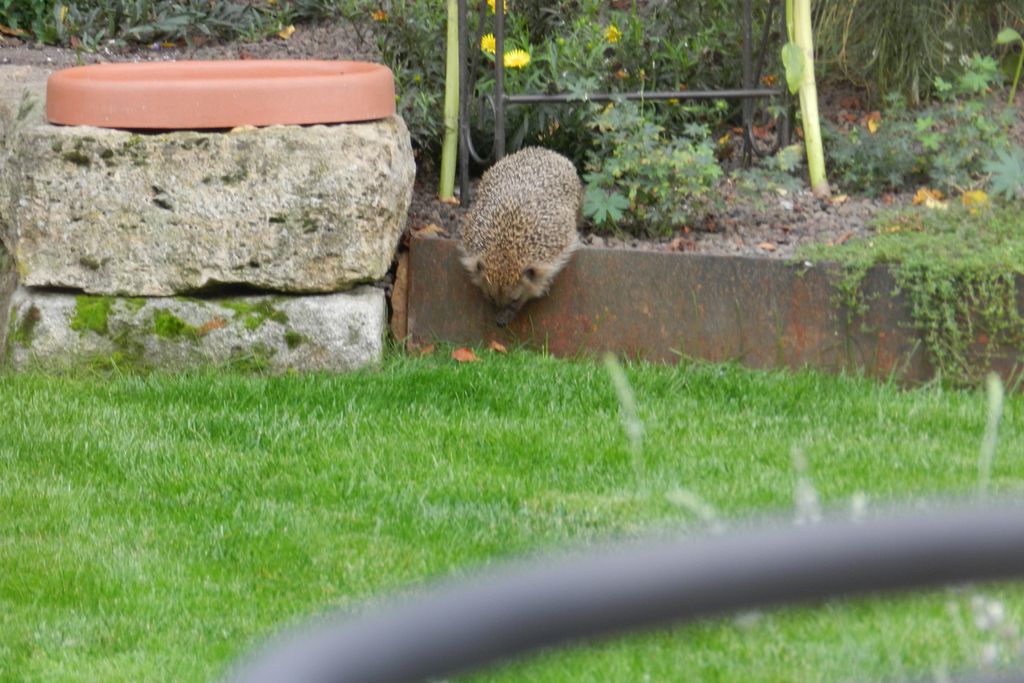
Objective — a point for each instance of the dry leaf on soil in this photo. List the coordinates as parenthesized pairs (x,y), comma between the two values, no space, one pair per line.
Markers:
(414,348)
(497,346)
(464,355)
(430,229)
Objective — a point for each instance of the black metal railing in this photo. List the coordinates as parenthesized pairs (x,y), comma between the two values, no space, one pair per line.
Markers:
(523,608)
(747,93)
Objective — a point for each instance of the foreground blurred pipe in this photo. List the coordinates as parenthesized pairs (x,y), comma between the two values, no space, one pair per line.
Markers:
(518,609)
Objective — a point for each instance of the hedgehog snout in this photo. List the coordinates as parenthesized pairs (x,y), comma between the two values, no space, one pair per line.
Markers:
(506,314)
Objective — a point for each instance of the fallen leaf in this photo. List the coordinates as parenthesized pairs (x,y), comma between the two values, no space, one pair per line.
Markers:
(242,129)
(453,201)
(850,102)
(888,198)
(286,32)
(417,349)
(464,355)
(872,121)
(926,194)
(767,246)
(210,326)
(7,30)
(842,239)
(430,229)
(725,138)
(849,117)
(682,244)
(838,199)
(497,346)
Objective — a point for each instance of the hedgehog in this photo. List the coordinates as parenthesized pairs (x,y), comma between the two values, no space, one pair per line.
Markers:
(521,230)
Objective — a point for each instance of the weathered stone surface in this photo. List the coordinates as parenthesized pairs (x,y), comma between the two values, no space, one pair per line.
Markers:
(331,332)
(287,208)
(7,284)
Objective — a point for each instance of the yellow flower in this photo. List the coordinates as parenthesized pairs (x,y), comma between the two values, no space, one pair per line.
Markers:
(487,43)
(612,34)
(974,199)
(516,59)
(491,4)
(379,15)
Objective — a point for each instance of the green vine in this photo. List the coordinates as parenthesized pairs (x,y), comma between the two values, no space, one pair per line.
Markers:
(960,273)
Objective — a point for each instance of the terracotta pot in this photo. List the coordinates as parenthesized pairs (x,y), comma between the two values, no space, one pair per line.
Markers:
(219,94)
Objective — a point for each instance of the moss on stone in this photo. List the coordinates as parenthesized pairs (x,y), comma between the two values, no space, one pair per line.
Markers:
(23,331)
(90,262)
(294,339)
(77,157)
(169,326)
(91,314)
(253,315)
(134,304)
(256,361)
(237,176)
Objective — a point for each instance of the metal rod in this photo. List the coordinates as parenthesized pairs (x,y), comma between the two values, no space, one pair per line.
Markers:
(748,83)
(651,95)
(523,608)
(463,107)
(499,79)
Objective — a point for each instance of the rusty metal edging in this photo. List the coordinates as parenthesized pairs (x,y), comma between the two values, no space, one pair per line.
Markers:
(660,306)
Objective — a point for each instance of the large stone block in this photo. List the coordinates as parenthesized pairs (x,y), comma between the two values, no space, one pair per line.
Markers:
(287,208)
(331,332)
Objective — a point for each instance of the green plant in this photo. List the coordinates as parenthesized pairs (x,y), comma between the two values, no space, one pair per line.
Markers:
(946,145)
(798,59)
(664,180)
(1007,173)
(1009,36)
(959,270)
(38,18)
(901,47)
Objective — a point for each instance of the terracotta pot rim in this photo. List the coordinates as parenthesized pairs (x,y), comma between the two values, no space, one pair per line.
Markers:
(219,94)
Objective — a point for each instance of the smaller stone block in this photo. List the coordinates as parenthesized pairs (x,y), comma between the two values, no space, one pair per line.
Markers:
(8,280)
(332,333)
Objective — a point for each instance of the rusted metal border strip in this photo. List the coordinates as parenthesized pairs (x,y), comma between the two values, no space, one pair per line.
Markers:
(660,306)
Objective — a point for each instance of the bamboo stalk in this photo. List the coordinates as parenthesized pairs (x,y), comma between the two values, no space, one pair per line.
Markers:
(799,24)
(450,144)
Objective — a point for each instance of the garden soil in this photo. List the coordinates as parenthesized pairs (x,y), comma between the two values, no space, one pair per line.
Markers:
(763,221)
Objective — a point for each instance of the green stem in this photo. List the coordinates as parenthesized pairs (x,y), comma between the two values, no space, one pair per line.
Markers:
(1016,77)
(802,36)
(450,144)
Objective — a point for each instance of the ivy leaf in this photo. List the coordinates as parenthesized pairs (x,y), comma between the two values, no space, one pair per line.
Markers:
(794,61)
(1007,172)
(1007,36)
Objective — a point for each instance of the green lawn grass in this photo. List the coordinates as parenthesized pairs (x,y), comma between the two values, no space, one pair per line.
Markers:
(154,528)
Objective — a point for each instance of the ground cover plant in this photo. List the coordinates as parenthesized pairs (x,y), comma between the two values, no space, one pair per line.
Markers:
(157,526)
(960,268)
